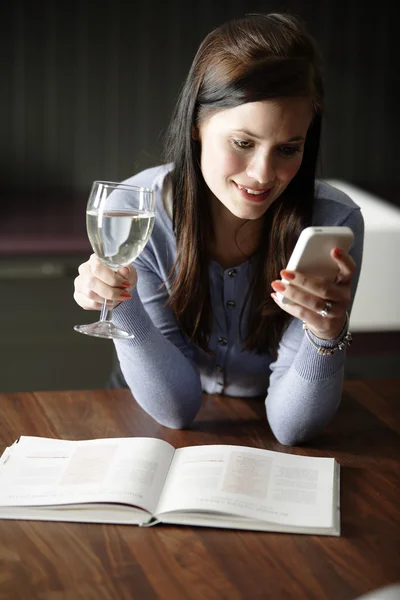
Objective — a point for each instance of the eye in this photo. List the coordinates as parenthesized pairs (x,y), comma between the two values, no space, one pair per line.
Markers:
(241,144)
(289,151)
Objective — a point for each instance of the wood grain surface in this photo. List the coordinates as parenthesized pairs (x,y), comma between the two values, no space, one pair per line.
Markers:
(73,561)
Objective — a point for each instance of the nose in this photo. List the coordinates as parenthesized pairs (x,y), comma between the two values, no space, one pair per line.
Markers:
(261,168)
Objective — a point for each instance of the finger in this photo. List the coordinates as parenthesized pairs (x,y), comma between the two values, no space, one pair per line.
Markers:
(316,286)
(129,274)
(84,268)
(94,302)
(87,303)
(97,290)
(105,273)
(346,265)
(296,310)
(311,302)
(88,279)
(324,328)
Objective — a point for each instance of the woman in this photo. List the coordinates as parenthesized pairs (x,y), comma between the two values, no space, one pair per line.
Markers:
(238,189)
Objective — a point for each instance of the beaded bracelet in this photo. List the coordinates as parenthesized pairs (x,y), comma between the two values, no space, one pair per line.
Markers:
(322,350)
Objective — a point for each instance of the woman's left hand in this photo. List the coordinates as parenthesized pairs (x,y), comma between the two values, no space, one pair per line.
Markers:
(320,302)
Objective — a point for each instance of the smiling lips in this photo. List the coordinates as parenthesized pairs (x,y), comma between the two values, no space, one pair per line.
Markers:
(253,193)
(251,190)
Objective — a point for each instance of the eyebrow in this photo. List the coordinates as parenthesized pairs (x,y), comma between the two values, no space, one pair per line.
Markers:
(297,138)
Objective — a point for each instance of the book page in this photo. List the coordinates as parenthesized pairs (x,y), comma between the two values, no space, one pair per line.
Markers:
(41,471)
(250,482)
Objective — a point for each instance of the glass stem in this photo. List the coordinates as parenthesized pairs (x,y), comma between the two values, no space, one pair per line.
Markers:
(106,313)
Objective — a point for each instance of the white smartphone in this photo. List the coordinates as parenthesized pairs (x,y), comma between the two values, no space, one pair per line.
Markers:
(311,254)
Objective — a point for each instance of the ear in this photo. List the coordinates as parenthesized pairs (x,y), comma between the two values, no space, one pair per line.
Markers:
(195,133)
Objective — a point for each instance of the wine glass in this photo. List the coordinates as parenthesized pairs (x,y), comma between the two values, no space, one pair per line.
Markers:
(119,221)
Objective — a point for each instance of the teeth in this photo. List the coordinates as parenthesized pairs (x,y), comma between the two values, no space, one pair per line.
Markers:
(254,192)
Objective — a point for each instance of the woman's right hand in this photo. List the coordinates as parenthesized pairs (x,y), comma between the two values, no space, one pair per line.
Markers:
(96,282)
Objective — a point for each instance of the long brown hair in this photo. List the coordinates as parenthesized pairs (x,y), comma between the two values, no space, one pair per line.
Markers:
(254,58)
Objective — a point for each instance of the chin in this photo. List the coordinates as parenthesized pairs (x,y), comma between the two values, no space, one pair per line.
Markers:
(248,215)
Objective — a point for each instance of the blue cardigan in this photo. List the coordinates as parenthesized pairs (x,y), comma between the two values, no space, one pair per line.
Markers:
(167,373)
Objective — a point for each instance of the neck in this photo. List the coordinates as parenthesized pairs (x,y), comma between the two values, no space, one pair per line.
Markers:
(234,239)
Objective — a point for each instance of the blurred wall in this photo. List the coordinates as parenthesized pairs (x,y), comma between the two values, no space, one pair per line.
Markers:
(90,86)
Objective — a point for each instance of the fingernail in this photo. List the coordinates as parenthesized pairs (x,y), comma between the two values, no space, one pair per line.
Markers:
(287,275)
(125,295)
(126,284)
(337,252)
(278,286)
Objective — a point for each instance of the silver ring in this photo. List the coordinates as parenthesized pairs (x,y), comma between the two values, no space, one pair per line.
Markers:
(325,311)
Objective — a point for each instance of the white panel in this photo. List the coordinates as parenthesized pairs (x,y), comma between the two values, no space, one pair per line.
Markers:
(377,303)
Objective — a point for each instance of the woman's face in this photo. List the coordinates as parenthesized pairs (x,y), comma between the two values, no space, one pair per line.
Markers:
(250,153)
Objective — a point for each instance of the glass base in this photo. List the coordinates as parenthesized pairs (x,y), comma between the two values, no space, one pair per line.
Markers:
(104,329)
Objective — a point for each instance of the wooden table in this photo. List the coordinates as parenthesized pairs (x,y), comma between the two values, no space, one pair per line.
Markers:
(72,561)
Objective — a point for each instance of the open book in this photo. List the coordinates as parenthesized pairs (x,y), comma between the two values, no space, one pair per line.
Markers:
(144,481)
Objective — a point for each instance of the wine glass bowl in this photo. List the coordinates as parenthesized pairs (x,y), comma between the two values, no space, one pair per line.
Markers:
(119,221)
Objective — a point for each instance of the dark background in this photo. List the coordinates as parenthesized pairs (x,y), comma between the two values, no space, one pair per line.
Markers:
(87,89)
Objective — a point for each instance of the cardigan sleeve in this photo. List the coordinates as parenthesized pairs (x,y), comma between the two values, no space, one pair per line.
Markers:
(305,388)
(158,363)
